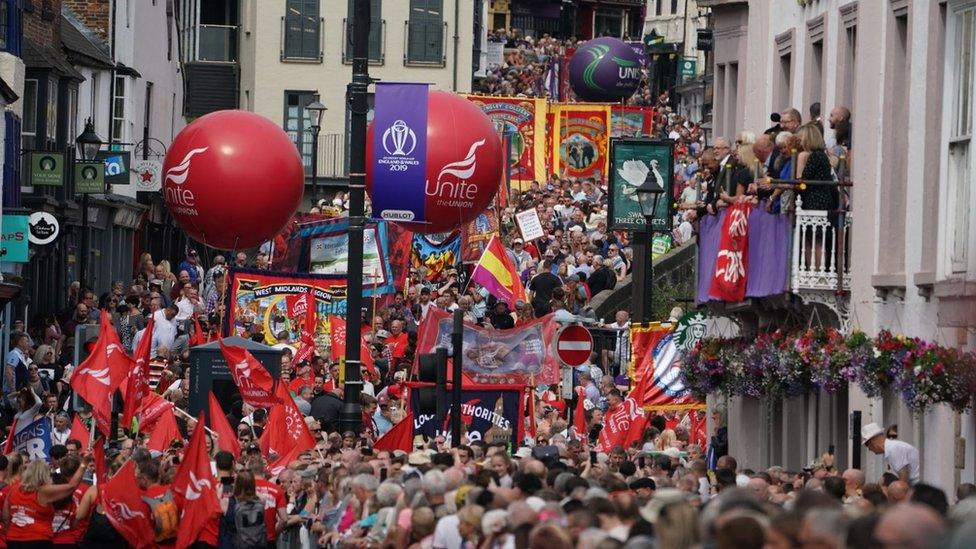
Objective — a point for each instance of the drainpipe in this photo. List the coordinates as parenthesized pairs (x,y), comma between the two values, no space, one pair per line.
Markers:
(111,82)
(457,40)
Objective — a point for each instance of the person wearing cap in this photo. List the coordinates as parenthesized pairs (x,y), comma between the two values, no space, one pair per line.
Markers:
(520,258)
(192,267)
(900,458)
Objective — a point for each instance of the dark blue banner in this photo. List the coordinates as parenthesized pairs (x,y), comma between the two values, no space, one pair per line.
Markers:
(489,415)
(400,151)
(35,440)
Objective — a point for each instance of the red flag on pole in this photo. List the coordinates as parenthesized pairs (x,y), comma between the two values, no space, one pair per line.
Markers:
(226,436)
(198,338)
(125,509)
(399,437)
(195,482)
(164,433)
(97,378)
(98,456)
(337,327)
(579,415)
(252,379)
(138,385)
(285,433)
(80,433)
(308,330)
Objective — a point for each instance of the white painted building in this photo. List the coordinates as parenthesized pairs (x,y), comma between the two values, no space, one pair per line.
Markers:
(904,68)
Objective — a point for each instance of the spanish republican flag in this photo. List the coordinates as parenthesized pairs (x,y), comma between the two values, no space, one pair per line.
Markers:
(497,274)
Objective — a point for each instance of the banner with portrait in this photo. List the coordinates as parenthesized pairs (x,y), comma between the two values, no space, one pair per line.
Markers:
(580,136)
(523,120)
(264,302)
(478,234)
(491,413)
(436,257)
(523,355)
(656,366)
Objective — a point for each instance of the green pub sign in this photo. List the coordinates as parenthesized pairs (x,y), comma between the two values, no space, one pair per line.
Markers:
(89,178)
(46,168)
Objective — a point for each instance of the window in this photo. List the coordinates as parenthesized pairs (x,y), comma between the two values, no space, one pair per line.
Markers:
(298,122)
(425,32)
(959,80)
(147,114)
(118,110)
(72,114)
(609,22)
(375,32)
(302,30)
(3,24)
(657,7)
(51,125)
(29,128)
(674,7)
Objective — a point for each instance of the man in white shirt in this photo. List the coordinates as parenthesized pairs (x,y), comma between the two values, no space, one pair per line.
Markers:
(900,457)
(164,332)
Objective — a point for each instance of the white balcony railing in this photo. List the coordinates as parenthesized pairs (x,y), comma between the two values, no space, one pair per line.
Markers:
(815,243)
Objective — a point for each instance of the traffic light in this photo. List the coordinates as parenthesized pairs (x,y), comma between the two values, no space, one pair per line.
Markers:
(433,369)
(85,337)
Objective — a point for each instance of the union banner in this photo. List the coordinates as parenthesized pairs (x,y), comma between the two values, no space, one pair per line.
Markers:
(580,140)
(522,120)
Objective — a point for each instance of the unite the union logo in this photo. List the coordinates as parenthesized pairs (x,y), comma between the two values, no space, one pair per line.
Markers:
(399,139)
(178,174)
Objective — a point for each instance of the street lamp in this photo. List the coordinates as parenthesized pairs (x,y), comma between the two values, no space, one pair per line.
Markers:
(649,195)
(315,111)
(88,143)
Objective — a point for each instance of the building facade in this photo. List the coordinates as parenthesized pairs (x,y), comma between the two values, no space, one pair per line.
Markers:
(908,83)
(677,63)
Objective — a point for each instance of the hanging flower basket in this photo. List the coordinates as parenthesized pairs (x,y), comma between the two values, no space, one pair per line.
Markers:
(784,365)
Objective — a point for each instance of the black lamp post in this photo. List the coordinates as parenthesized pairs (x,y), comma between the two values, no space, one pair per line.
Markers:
(648,196)
(357,95)
(315,111)
(88,143)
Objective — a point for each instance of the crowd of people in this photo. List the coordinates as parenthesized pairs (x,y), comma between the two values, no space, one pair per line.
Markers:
(559,488)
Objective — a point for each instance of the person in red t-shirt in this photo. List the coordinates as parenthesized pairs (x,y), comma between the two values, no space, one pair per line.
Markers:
(397,342)
(27,509)
(13,466)
(273,498)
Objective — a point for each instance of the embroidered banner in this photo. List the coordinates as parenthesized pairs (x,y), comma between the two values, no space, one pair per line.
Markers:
(488,413)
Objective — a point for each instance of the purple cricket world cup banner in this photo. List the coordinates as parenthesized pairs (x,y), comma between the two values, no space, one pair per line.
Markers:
(769,252)
(400,151)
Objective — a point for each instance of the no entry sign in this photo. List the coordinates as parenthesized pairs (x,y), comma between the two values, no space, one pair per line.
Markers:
(574,345)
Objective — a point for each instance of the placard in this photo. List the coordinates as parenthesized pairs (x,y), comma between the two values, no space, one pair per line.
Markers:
(89,178)
(46,168)
(529,224)
(633,162)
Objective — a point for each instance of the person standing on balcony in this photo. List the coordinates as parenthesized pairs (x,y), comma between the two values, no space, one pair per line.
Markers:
(813,165)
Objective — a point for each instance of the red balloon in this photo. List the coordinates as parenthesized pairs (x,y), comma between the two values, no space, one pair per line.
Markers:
(454,126)
(232,179)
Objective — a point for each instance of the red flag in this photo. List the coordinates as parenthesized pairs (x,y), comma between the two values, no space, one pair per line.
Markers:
(164,433)
(80,433)
(252,379)
(226,436)
(732,264)
(617,424)
(98,456)
(138,386)
(124,508)
(197,338)
(285,433)
(699,428)
(97,378)
(153,408)
(308,330)
(399,437)
(196,483)
(579,415)
(337,333)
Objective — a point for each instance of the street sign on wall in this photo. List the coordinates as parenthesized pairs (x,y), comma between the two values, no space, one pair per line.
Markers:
(688,66)
(46,168)
(14,238)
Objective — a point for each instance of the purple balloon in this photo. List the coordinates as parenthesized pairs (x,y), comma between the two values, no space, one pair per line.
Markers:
(604,69)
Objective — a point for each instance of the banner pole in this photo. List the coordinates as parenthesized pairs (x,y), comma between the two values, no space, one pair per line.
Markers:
(457,342)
